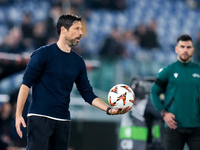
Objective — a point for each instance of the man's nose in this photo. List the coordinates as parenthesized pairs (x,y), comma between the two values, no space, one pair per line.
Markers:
(81,33)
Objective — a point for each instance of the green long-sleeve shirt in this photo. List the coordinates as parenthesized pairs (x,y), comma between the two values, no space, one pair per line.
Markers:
(180,84)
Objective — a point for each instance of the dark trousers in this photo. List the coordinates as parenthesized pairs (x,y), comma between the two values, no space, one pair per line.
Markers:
(176,139)
(47,134)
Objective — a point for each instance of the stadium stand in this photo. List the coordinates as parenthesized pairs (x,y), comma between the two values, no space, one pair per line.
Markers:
(173,17)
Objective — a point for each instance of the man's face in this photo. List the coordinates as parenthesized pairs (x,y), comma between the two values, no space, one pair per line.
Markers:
(74,34)
(184,49)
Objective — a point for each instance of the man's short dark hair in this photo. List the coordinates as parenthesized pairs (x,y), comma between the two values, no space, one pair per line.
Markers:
(66,21)
(184,37)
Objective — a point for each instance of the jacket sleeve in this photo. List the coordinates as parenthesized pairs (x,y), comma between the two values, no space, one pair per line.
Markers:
(35,67)
(83,85)
(158,88)
(156,91)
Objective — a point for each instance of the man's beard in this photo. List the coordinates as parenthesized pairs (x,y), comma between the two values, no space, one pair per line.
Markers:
(73,42)
(185,59)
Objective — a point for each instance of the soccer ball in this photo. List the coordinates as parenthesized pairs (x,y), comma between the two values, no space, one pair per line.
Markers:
(121,96)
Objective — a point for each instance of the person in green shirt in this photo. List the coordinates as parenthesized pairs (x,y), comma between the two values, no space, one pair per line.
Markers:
(179,82)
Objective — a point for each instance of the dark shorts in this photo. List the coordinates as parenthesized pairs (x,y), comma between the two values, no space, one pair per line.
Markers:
(176,139)
(47,134)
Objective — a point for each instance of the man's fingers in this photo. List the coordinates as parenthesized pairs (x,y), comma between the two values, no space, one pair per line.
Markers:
(19,132)
(116,111)
(124,110)
(24,124)
(172,124)
(18,127)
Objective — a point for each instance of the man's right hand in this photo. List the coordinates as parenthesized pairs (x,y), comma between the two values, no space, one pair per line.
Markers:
(18,122)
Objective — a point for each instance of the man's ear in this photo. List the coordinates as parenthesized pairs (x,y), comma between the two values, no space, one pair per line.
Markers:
(63,29)
(176,49)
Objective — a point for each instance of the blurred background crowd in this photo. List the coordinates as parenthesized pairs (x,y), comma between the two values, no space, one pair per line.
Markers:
(122,39)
